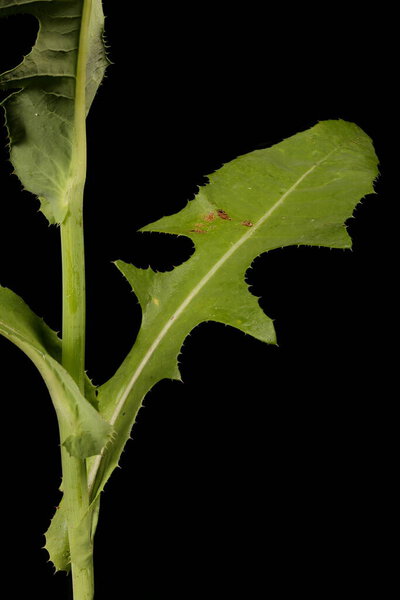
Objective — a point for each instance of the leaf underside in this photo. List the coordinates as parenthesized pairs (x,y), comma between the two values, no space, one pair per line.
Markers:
(40,108)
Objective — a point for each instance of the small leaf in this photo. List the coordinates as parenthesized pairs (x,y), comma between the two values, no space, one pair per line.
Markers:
(57,544)
(298,192)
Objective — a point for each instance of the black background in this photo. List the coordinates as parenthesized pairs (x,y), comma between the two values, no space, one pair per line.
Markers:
(268,470)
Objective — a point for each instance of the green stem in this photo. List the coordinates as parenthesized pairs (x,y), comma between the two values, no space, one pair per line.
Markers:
(79,518)
(75,485)
(74,297)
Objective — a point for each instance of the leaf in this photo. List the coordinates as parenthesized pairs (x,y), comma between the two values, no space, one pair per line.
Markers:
(41,115)
(57,544)
(86,431)
(299,192)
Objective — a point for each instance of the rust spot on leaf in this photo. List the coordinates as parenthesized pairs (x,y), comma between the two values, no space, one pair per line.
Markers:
(210,217)
(247,223)
(223,215)
(197,230)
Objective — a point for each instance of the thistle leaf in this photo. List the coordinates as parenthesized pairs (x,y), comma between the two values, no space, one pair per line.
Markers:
(40,116)
(298,192)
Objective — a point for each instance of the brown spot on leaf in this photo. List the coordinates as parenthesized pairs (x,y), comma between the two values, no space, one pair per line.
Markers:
(223,215)
(247,223)
(197,230)
(210,217)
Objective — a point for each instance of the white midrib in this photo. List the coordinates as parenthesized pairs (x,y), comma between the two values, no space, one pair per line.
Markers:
(125,393)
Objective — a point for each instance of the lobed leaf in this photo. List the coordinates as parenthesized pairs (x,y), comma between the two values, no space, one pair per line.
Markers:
(298,192)
(40,115)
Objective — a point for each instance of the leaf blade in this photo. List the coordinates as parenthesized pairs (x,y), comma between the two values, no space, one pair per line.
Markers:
(300,191)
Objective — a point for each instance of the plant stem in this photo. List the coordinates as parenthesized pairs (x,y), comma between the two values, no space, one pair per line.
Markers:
(76,503)
(76,495)
(74,297)
(75,486)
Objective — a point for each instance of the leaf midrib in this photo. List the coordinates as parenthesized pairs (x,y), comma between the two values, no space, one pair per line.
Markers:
(171,321)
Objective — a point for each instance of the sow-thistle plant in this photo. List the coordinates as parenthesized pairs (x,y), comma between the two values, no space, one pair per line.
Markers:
(298,192)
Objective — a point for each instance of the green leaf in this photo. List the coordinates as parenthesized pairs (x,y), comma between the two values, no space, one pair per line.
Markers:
(57,543)
(86,431)
(299,192)
(41,116)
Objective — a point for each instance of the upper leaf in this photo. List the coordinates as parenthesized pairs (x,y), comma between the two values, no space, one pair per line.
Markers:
(299,192)
(41,115)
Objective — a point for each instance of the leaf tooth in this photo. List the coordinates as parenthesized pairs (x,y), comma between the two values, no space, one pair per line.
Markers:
(172,371)
(141,280)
